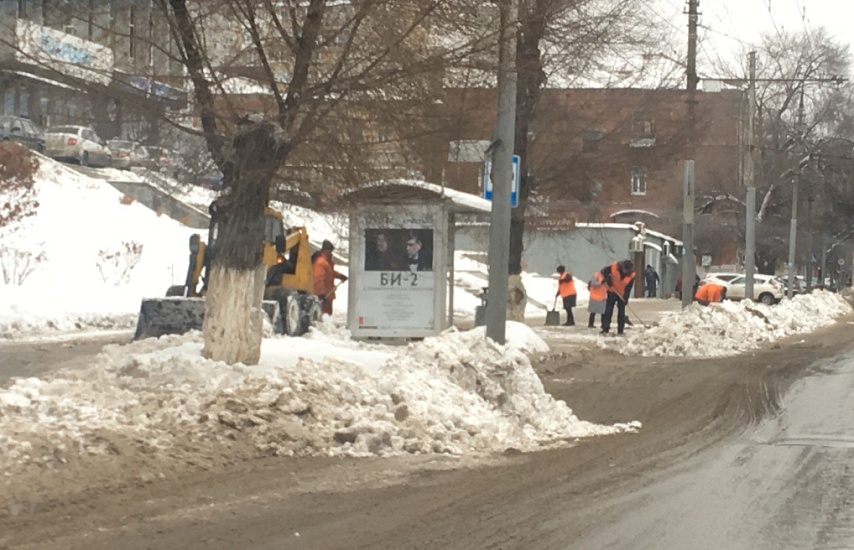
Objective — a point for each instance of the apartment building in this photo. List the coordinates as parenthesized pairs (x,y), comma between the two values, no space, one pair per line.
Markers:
(104,63)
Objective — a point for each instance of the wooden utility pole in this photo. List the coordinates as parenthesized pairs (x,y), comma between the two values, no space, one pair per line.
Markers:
(502,175)
(750,180)
(688,268)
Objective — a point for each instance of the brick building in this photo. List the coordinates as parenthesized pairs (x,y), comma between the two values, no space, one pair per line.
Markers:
(614,155)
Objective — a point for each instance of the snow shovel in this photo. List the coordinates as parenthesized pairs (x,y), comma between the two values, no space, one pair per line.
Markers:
(632,311)
(334,288)
(553,316)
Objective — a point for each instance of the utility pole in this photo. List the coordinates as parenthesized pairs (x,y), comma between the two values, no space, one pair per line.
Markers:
(750,177)
(796,181)
(688,269)
(502,174)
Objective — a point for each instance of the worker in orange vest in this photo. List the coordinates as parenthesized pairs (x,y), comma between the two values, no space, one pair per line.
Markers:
(710,292)
(598,298)
(566,290)
(324,275)
(619,278)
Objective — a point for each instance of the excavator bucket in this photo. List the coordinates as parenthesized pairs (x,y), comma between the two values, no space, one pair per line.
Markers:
(159,316)
(177,315)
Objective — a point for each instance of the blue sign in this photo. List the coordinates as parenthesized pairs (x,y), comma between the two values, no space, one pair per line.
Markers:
(514,188)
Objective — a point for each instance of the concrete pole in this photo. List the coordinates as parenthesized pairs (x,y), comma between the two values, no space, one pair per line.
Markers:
(502,175)
(688,269)
(810,255)
(750,177)
(793,225)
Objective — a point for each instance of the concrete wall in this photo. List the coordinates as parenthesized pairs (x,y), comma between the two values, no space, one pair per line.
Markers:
(163,203)
(583,251)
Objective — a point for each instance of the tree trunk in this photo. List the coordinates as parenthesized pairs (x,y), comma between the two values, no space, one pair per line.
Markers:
(233,317)
(233,324)
(529,80)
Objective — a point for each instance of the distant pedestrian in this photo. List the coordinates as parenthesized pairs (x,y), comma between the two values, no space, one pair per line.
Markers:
(678,289)
(566,290)
(651,279)
(598,298)
(619,278)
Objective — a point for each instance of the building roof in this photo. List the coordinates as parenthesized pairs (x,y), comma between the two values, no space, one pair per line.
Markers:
(628,226)
(397,190)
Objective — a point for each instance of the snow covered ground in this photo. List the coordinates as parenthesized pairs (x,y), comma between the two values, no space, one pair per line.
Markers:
(322,394)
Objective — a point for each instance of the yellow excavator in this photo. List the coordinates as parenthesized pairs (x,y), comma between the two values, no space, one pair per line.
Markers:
(289,300)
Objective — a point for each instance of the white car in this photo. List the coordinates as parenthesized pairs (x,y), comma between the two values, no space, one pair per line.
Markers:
(766,289)
(722,277)
(77,144)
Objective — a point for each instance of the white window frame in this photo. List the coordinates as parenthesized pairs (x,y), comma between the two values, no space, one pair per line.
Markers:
(638,180)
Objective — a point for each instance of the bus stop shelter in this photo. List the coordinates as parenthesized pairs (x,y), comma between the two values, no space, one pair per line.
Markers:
(402,257)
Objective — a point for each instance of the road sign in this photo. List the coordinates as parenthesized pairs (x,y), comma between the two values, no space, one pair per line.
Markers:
(514,188)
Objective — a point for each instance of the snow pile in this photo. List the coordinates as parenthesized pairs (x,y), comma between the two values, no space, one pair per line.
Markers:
(93,256)
(455,393)
(730,328)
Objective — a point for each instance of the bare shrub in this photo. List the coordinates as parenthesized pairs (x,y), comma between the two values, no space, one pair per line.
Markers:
(17,265)
(17,185)
(116,265)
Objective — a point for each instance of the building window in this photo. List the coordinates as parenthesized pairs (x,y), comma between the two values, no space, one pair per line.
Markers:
(90,28)
(132,32)
(44,113)
(638,180)
(151,9)
(24,103)
(590,140)
(643,125)
(9,101)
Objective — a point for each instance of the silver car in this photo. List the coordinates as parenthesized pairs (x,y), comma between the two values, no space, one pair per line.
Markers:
(128,154)
(76,144)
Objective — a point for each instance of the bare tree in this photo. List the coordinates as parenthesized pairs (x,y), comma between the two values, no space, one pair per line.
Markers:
(811,67)
(559,43)
(315,60)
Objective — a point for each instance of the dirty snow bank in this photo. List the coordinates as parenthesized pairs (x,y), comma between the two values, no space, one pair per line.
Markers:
(730,328)
(456,393)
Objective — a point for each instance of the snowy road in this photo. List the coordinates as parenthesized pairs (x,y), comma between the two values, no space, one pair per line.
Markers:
(24,358)
(740,452)
(785,482)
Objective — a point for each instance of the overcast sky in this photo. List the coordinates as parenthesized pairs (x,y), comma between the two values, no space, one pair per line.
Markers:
(730,27)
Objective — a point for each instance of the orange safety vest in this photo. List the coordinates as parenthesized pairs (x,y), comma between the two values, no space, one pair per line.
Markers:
(324,277)
(619,284)
(710,292)
(566,286)
(600,291)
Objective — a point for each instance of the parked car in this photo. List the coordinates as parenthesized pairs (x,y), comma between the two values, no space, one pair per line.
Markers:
(23,131)
(766,289)
(78,144)
(163,158)
(723,277)
(799,287)
(128,154)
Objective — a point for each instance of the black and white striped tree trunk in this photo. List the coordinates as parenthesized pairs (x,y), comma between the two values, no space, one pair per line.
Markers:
(233,320)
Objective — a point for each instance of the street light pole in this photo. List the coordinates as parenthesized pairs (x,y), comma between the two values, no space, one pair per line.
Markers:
(502,175)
